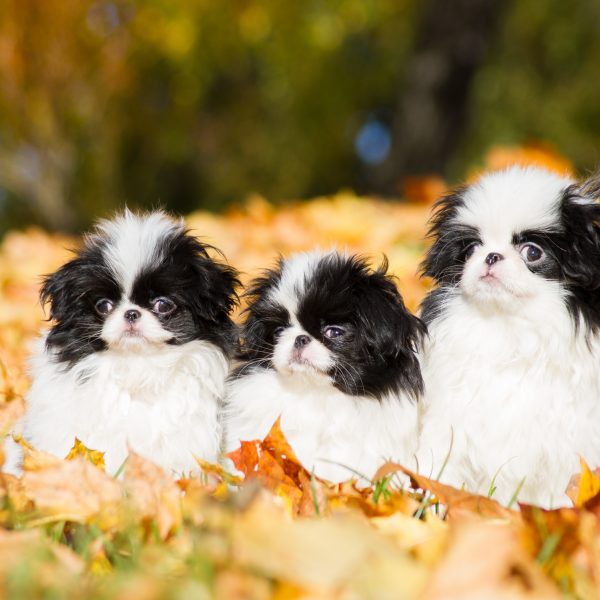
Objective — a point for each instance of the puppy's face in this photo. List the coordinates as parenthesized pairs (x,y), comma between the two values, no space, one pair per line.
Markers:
(138,283)
(330,318)
(515,236)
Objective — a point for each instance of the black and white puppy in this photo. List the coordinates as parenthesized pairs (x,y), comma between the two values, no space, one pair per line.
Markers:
(137,354)
(512,362)
(329,346)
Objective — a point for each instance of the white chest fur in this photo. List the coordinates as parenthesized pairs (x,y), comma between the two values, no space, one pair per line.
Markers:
(336,435)
(520,396)
(161,403)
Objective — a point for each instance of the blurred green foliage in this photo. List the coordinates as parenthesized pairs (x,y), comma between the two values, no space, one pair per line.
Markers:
(540,82)
(193,103)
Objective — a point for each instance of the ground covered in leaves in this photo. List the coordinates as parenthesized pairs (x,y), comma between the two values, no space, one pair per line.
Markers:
(69,530)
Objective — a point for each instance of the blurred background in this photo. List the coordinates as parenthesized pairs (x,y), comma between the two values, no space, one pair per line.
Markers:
(195,104)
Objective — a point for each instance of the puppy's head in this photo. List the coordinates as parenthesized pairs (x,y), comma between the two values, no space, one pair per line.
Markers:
(332,318)
(518,235)
(139,282)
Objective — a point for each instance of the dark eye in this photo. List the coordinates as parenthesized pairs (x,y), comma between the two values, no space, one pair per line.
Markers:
(470,249)
(278,331)
(104,306)
(163,306)
(332,332)
(531,253)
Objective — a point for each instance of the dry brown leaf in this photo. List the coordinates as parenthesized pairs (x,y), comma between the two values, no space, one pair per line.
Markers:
(485,560)
(74,490)
(553,537)
(348,496)
(457,502)
(154,495)
(33,459)
(323,554)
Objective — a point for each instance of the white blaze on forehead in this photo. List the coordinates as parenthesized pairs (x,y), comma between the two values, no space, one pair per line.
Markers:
(297,270)
(134,242)
(507,202)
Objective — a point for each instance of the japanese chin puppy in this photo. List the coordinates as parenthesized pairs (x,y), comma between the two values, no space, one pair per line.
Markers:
(329,347)
(512,361)
(137,354)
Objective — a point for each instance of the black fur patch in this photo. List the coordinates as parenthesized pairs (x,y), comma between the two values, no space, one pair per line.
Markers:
(72,292)
(376,355)
(202,289)
(578,251)
(446,256)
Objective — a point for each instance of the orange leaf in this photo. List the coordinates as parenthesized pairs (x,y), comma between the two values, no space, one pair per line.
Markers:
(456,501)
(585,486)
(245,458)
(274,463)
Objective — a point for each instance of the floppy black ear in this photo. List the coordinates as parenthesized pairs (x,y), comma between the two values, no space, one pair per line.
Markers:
(392,333)
(59,290)
(580,216)
(450,240)
(214,283)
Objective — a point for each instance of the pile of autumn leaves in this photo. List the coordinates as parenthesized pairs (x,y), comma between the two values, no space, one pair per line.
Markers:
(69,530)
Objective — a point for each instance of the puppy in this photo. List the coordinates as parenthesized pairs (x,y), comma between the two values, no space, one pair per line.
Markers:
(137,354)
(511,365)
(329,347)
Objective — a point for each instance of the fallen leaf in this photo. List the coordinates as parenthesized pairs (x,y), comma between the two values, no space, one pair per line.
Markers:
(323,554)
(153,494)
(485,560)
(245,458)
(94,456)
(33,459)
(426,539)
(455,501)
(552,537)
(273,462)
(73,490)
(584,486)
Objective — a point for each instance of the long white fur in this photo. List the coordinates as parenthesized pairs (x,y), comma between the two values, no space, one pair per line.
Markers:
(159,400)
(512,388)
(338,436)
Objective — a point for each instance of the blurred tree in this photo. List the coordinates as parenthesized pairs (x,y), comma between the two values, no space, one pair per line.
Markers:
(190,103)
(451,45)
(185,103)
(540,83)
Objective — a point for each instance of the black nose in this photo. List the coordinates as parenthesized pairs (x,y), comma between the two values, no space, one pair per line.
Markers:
(301,340)
(493,257)
(132,315)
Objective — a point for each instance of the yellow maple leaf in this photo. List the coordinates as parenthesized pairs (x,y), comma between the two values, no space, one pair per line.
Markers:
(94,456)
